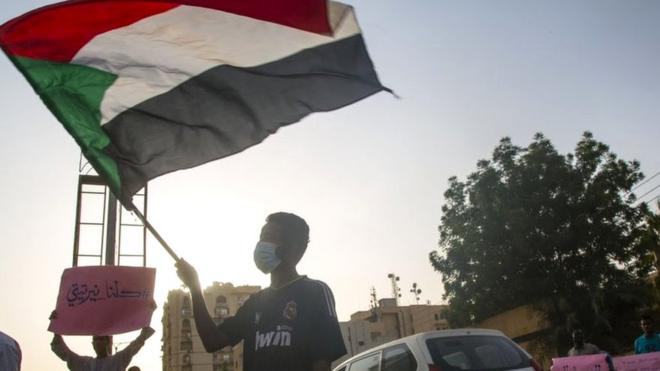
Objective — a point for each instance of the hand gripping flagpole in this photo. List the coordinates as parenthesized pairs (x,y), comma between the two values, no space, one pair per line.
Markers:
(153,231)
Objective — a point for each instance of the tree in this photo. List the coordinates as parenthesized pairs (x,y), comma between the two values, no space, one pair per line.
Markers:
(653,240)
(559,232)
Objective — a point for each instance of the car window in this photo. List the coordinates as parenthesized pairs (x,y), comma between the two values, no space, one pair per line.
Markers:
(458,360)
(476,353)
(398,358)
(369,363)
(496,356)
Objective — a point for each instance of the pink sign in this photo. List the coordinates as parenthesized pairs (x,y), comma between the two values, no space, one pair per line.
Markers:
(595,362)
(104,300)
(638,362)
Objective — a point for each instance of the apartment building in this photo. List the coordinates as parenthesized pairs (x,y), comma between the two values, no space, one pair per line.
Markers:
(182,348)
(388,322)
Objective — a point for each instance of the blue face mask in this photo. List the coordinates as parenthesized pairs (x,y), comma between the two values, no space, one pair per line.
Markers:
(265,258)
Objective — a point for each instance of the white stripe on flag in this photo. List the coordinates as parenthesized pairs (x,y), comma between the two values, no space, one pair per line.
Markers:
(158,53)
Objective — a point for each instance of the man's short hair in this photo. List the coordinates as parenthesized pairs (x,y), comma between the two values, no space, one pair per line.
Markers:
(647,317)
(294,228)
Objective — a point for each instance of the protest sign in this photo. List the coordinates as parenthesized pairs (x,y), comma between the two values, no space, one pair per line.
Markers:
(638,362)
(595,362)
(104,300)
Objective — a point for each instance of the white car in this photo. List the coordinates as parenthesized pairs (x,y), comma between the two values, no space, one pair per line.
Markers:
(446,350)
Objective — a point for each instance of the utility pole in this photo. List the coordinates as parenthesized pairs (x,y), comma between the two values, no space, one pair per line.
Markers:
(111,232)
(101,228)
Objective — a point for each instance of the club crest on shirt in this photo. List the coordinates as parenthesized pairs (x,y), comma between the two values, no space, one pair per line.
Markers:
(290,310)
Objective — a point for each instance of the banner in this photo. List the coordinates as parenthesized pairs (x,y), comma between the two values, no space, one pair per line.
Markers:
(595,362)
(638,362)
(104,300)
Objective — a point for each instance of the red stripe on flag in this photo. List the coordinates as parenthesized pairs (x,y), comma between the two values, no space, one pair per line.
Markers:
(57,32)
(306,15)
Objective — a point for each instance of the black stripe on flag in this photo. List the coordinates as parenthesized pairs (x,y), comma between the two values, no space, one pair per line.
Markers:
(227,109)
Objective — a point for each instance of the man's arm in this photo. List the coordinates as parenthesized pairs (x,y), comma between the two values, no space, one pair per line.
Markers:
(124,356)
(212,338)
(58,346)
(138,343)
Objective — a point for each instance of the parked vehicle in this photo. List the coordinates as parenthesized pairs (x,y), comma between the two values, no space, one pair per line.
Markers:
(446,350)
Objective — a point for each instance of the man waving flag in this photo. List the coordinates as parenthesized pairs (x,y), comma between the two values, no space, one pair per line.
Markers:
(147,87)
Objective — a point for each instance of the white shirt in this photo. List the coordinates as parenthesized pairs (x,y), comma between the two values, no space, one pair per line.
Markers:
(116,362)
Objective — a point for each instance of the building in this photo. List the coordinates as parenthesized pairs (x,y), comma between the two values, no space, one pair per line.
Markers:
(182,348)
(388,322)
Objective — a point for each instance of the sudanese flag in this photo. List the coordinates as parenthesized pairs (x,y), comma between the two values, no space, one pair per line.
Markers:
(152,86)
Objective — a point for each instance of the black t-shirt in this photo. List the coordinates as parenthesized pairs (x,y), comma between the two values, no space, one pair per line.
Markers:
(287,329)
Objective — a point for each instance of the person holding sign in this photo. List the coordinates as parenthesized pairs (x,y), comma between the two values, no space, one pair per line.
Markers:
(105,360)
(650,340)
(289,326)
(580,347)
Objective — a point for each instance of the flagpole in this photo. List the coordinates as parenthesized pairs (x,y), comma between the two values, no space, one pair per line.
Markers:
(153,231)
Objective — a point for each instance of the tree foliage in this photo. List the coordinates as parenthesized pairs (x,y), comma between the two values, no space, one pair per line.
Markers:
(560,232)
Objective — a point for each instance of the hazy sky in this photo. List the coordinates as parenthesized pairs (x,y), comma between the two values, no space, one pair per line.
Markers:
(369,178)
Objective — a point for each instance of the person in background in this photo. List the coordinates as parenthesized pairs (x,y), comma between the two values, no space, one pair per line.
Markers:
(133,368)
(581,348)
(649,341)
(10,353)
(104,360)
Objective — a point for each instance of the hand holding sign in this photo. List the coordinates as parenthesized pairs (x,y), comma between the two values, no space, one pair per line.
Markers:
(104,300)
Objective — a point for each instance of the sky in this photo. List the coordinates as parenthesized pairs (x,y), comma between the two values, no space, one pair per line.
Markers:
(368,178)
